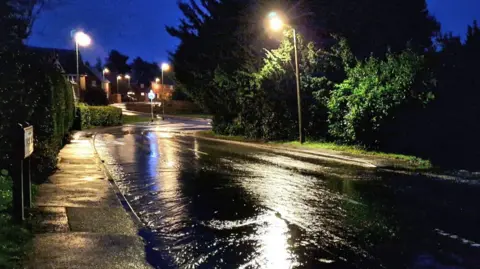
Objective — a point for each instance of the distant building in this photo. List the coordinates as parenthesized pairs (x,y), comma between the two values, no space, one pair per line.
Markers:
(163,91)
(66,61)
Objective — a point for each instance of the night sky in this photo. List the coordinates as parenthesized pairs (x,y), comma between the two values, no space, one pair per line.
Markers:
(137,27)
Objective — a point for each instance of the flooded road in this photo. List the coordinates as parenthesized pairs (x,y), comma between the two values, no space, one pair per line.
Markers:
(208,204)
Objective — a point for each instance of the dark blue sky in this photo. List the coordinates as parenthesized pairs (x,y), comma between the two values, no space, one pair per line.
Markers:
(137,27)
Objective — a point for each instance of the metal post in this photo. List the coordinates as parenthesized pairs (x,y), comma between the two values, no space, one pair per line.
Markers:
(299,100)
(151,107)
(78,71)
(163,99)
(18,200)
(27,184)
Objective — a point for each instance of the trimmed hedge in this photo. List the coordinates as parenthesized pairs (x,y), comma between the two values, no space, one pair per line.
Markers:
(36,92)
(90,116)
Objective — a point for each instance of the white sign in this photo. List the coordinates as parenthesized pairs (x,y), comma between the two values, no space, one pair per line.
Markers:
(151,95)
(28,141)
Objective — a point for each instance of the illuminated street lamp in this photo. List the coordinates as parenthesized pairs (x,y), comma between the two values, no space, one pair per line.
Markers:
(165,67)
(128,78)
(105,71)
(118,79)
(276,24)
(83,40)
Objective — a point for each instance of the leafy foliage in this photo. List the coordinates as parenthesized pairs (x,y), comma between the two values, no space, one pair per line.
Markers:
(32,91)
(12,238)
(373,94)
(89,116)
(369,76)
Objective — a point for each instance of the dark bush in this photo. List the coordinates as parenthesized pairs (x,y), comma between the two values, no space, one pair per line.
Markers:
(95,97)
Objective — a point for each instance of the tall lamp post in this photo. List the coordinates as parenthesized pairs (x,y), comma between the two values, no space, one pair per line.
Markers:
(277,24)
(105,71)
(128,79)
(165,67)
(118,79)
(83,40)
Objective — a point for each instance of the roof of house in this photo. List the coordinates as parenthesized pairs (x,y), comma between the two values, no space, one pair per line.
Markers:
(66,58)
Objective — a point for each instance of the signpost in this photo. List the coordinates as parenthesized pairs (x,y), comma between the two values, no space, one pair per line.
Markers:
(151,96)
(22,185)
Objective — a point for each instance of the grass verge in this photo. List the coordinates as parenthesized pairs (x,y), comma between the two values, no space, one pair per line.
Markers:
(134,119)
(415,162)
(14,239)
(392,160)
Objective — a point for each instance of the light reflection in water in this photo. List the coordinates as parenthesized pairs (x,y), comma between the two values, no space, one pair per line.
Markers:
(275,248)
(153,160)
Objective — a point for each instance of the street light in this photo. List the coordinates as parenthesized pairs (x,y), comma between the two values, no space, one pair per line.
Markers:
(277,24)
(165,67)
(81,39)
(118,78)
(104,71)
(128,78)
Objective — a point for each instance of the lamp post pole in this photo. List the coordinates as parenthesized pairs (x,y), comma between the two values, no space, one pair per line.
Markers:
(299,100)
(81,39)
(118,86)
(163,98)
(78,73)
(277,24)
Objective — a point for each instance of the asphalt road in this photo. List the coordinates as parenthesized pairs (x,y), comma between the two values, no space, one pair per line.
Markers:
(210,204)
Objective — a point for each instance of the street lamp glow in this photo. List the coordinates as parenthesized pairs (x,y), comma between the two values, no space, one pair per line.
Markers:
(119,77)
(82,39)
(127,76)
(157,80)
(165,67)
(276,23)
(106,71)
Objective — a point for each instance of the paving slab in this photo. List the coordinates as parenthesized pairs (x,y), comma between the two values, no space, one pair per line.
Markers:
(87,251)
(79,221)
(101,220)
(51,219)
(93,194)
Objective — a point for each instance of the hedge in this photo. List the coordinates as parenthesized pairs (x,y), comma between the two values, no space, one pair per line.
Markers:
(91,116)
(13,238)
(36,92)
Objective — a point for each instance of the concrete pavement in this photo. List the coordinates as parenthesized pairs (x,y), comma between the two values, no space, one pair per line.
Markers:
(80,222)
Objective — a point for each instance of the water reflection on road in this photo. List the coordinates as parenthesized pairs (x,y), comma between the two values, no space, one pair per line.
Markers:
(216,205)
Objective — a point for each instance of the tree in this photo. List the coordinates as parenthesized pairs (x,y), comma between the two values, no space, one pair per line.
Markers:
(117,62)
(99,64)
(205,50)
(374,27)
(144,72)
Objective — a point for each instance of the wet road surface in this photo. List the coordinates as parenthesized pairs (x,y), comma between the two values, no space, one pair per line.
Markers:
(208,204)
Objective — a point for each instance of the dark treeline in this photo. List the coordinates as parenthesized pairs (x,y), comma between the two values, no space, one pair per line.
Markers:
(374,73)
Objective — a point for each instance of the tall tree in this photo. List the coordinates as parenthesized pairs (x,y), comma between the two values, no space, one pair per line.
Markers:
(144,72)
(99,64)
(376,26)
(117,62)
